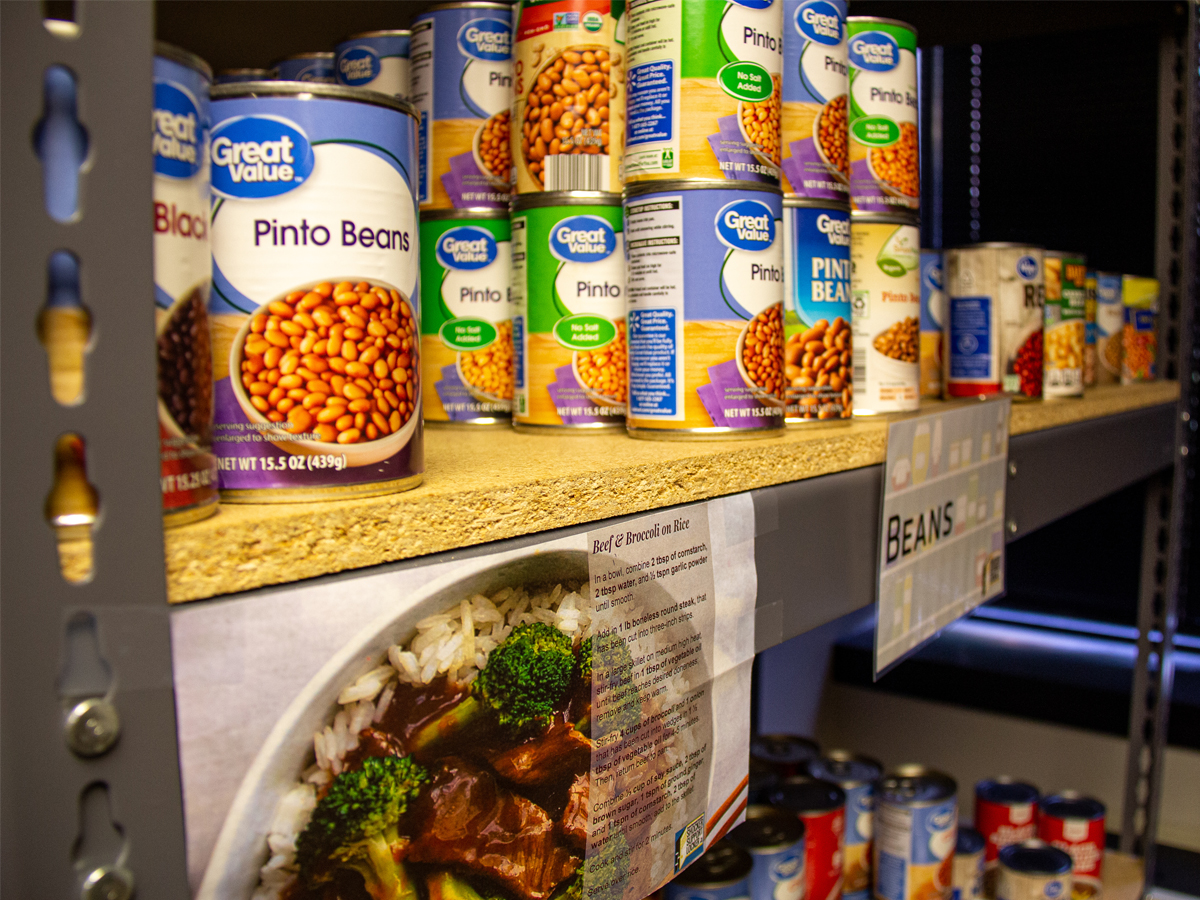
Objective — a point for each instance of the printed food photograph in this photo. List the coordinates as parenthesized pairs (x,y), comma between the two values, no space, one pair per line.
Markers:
(602,372)
(895,166)
(899,341)
(831,138)
(488,372)
(185,375)
(759,123)
(492,149)
(760,354)
(817,363)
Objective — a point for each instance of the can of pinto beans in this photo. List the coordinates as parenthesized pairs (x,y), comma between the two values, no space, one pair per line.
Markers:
(378,61)
(466,317)
(182,267)
(1064,323)
(705,310)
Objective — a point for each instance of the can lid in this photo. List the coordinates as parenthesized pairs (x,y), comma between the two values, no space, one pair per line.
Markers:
(892,218)
(809,203)
(670,185)
(1035,858)
(564,198)
(183,57)
(466,4)
(996,245)
(881,20)
(723,863)
(969,840)
(385,32)
(803,796)
(1072,805)
(916,784)
(307,90)
(845,768)
(1006,791)
(767,828)
(786,749)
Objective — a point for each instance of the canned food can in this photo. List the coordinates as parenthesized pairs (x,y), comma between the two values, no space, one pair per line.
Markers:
(462,87)
(721,873)
(1089,330)
(377,60)
(821,806)
(466,317)
(317,68)
(916,819)
(705,310)
(237,76)
(816,321)
(1064,325)
(885,304)
(968,864)
(314,307)
(1074,823)
(1110,321)
(775,838)
(568,279)
(1005,813)
(885,174)
(1139,349)
(857,776)
(785,754)
(763,777)
(994,328)
(814,135)
(933,321)
(182,276)
(704,87)
(1033,870)
(569,65)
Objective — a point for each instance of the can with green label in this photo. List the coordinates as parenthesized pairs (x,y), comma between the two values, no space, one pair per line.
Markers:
(466,317)
(568,288)
(1065,324)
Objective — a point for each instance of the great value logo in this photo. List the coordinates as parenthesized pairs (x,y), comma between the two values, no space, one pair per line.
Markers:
(746,225)
(582,239)
(1027,268)
(820,21)
(358,66)
(466,247)
(932,273)
(259,156)
(787,866)
(178,133)
(837,230)
(486,39)
(875,51)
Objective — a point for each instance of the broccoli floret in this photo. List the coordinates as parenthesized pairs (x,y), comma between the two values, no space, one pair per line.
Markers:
(571,889)
(611,664)
(583,663)
(356,826)
(526,677)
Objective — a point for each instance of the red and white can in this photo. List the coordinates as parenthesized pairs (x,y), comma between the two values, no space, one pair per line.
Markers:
(821,806)
(1075,823)
(1005,813)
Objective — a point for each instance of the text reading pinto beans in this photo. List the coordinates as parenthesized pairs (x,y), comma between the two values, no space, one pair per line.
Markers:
(271,233)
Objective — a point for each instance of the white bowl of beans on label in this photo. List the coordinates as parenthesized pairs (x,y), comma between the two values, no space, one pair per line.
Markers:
(830,125)
(495,159)
(761,364)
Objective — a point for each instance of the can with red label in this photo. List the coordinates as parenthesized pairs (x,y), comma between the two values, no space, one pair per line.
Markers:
(1033,870)
(1005,813)
(786,754)
(821,806)
(1075,823)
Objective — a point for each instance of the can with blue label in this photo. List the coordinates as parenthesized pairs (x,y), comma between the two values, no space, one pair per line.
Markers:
(705,310)
(315,68)
(462,87)
(1110,320)
(933,321)
(916,829)
(775,838)
(721,873)
(857,776)
(1033,870)
(968,864)
(314,307)
(818,364)
(238,76)
(376,60)
(466,317)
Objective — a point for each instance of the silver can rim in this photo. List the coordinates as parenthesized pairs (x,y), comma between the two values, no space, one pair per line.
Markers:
(539,199)
(469,214)
(183,57)
(313,90)
(382,32)
(670,186)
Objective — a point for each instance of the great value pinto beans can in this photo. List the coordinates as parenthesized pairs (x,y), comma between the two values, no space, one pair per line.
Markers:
(1074,823)
(775,839)
(705,310)
(568,280)
(1005,813)
(968,864)
(1033,870)
(462,87)
(916,819)
(884,167)
(885,301)
(721,873)
(933,321)
(704,86)
(1063,324)
(816,318)
(378,61)
(182,266)
(857,776)
(814,133)
(317,68)
(785,754)
(314,306)
(1109,322)
(821,806)
(466,317)
(569,79)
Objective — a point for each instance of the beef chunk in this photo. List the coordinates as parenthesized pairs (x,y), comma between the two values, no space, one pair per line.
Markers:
(559,753)
(575,816)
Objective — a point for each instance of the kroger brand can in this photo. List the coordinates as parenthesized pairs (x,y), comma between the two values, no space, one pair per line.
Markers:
(1033,870)
(182,266)
(885,302)
(704,88)
(814,133)
(1064,326)
(237,76)
(968,864)
(821,806)
(314,305)
(916,819)
(312,67)
(568,280)
(721,873)
(569,65)
(775,839)
(377,60)
(933,322)
(462,87)
(1005,813)
(1074,823)
(1139,349)
(816,318)
(857,776)
(1110,319)
(466,317)
(705,310)
(994,328)
(884,168)
(784,754)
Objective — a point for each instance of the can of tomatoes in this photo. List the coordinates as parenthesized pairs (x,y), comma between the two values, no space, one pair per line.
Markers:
(884,165)
(821,806)
(856,775)
(916,822)
(1033,870)
(1005,813)
(785,754)
(314,307)
(317,67)
(721,873)
(1075,823)
(1140,336)
(1064,323)
(775,838)
(968,864)
(378,61)
(462,87)
(569,106)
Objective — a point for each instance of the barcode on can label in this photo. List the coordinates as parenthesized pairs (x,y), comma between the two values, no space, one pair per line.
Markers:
(576,172)
(860,364)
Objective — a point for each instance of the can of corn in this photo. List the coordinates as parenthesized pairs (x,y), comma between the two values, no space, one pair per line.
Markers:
(1064,324)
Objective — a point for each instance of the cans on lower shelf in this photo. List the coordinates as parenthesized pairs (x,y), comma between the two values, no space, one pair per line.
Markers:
(821,806)
(775,839)
(1075,823)
(785,754)
(857,776)
(968,864)
(916,819)
(1005,813)
(1033,870)
(721,873)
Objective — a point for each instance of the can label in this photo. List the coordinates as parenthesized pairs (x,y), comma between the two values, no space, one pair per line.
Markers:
(569,107)
(378,62)
(859,832)
(705,310)
(1083,840)
(778,874)
(1140,338)
(885,302)
(182,267)
(1089,332)
(824,835)
(314,304)
(1021,886)
(814,132)
(1066,296)
(314,69)
(914,850)
(816,322)
(466,319)
(704,86)
(968,876)
(1110,320)
(1002,824)
(568,276)
(462,87)
(933,321)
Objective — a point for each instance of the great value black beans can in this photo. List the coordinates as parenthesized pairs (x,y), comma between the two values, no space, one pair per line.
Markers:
(775,838)
(856,775)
